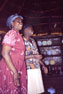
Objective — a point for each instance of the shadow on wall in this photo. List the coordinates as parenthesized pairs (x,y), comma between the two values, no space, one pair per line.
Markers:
(1,38)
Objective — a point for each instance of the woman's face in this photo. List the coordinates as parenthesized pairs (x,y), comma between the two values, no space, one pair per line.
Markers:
(29,31)
(17,24)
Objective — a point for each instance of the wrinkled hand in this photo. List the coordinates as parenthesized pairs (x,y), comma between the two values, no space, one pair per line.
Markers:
(45,69)
(16,79)
(38,56)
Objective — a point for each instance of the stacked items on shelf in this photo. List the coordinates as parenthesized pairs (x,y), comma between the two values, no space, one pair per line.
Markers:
(51,47)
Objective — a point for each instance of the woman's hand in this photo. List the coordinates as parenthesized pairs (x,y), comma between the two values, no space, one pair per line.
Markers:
(16,79)
(45,69)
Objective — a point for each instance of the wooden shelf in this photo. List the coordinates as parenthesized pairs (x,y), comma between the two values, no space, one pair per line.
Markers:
(56,44)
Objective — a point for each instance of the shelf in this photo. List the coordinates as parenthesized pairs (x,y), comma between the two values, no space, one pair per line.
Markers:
(48,36)
(53,55)
(50,45)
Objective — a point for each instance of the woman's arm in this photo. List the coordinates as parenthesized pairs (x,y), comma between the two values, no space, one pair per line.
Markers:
(35,56)
(44,67)
(29,56)
(6,55)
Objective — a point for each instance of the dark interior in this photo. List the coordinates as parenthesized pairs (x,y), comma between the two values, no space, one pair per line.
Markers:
(47,18)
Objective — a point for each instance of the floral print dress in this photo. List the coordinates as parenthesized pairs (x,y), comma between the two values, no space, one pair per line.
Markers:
(15,41)
(30,49)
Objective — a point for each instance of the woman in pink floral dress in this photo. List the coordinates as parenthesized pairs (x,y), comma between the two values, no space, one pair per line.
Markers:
(12,66)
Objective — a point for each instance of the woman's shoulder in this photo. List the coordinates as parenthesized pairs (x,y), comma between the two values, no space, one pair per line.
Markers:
(10,35)
(9,38)
(10,32)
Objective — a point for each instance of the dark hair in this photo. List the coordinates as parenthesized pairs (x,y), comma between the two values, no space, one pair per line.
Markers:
(26,26)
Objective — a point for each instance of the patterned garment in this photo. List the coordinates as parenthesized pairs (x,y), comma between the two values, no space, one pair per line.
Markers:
(15,41)
(30,49)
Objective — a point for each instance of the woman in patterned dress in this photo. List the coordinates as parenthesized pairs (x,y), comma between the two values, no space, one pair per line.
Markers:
(12,65)
(32,57)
